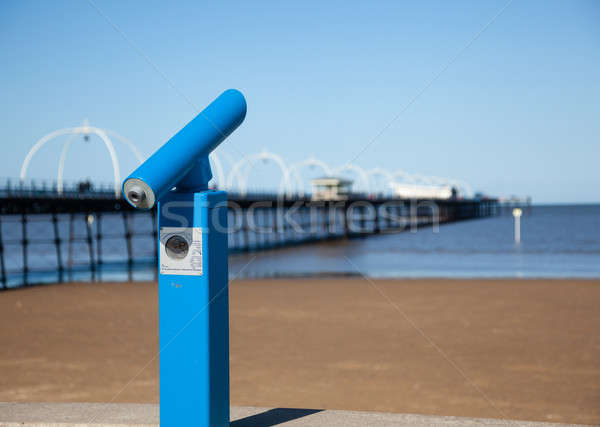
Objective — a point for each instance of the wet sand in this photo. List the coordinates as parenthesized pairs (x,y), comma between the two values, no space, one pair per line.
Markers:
(521,349)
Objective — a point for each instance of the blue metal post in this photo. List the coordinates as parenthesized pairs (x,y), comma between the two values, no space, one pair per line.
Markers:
(193,312)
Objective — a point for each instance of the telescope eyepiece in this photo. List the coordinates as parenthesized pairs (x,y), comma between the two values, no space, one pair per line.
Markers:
(138,193)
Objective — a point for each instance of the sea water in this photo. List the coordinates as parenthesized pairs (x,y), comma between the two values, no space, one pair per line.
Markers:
(556,242)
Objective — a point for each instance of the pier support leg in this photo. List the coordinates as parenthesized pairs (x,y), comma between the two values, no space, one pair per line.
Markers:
(345,220)
(245,229)
(2,265)
(377,225)
(128,236)
(57,246)
(70,248)
(99,246)
(24,244)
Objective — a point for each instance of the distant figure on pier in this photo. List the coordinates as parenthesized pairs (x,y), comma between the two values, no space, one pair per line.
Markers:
(84,186)
(454,194)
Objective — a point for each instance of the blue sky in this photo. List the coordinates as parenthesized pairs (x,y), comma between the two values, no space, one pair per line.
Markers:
(517,112)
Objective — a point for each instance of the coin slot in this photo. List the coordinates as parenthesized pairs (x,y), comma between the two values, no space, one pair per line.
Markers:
(177,247)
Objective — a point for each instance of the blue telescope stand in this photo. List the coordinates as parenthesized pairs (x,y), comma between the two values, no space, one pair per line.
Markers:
(194,316)
(193,271)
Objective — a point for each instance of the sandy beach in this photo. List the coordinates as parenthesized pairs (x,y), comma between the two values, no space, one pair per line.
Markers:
(521,349)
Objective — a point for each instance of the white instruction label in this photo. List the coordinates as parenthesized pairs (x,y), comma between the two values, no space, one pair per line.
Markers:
(181,251)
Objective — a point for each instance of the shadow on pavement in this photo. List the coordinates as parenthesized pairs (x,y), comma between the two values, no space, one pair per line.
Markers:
(273,417)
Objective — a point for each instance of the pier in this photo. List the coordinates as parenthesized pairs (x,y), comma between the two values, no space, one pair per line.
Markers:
(88,233)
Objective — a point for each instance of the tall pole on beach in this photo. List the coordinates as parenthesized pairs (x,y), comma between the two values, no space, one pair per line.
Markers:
(517,212)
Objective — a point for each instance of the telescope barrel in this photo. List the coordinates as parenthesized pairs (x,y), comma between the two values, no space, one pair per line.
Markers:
(189,148)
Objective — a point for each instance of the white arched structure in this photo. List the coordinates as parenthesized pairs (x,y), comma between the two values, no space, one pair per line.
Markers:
(241,169)
(128,143)
(356,169)
(403,176)
(295,169)
(423,179)
(229,160)
(67,145)
(61,163)
(387,175)
(240,175)
(437,180)
(81,130)
(217,167)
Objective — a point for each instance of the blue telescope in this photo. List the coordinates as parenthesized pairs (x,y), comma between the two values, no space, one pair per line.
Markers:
(182,161)
(193,293)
